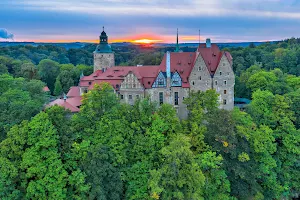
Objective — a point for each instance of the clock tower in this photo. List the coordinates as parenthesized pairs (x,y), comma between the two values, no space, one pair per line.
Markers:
(104,57)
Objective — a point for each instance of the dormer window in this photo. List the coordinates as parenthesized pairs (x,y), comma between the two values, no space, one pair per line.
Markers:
(176,80)
(220,73)
(161,81)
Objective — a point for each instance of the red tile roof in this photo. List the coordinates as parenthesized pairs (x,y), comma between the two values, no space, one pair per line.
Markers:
(182,62)
(75,101)
(115,76)
(74,92)
(63,103)
(211,56)
(46,89)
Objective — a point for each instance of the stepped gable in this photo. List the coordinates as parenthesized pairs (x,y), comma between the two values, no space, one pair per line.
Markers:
(182,62)
(115,75)
(212,56)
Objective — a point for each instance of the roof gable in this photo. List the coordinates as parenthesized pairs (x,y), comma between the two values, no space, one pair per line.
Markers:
(176,80)
(160,81)
(212,56)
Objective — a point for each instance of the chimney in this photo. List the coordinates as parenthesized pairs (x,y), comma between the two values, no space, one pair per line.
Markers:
(168,65)
(208,43)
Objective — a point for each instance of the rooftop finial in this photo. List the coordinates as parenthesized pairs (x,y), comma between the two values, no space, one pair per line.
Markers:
(81,75)
(199,37)
(65,97)
(103,28)
(177,44)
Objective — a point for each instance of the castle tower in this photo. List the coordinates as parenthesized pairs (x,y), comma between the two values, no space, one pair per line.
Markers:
(104,57)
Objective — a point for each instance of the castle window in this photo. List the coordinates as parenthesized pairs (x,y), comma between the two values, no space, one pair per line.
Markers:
(193,83)
(216,82)
(85,90)
(225,82)
(200,78)
(130,97)
(176,80)
(122,96)
(176,98)
(228,73)
(224,101)
(199,68)
(161,98)
(133,86)
(220,73)
(137,96)
(161,81)
(149,82)
(90,83)
(225,91)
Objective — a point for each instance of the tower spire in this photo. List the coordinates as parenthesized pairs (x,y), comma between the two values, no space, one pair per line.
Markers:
(177,44)
(199,37)
(103,28)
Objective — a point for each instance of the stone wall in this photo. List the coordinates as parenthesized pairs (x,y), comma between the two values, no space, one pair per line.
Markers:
(200,78)
(103,60)
(169,97)
(223,83)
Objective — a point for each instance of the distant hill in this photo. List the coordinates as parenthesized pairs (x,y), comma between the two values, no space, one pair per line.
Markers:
(74,45)
(77,45)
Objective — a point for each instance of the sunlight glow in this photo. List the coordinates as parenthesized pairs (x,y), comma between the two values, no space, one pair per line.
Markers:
(145,41)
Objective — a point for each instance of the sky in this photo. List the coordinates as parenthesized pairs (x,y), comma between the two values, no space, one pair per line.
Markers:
(158,20)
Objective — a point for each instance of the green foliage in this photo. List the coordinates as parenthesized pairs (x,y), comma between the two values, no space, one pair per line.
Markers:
(111,150)
(179,176)
(19,100)
(48,71)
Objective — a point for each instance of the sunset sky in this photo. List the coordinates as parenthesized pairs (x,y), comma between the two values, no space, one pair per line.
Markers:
(127,20)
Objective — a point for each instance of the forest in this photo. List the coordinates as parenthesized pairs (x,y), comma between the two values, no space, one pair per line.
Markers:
(112,151)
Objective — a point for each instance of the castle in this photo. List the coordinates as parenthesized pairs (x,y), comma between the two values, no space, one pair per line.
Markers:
(170,82)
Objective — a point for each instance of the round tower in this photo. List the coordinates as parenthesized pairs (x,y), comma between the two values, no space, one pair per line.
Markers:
(104,57)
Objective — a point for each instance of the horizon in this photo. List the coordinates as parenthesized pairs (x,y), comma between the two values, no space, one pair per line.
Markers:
(231,21)
(137,43)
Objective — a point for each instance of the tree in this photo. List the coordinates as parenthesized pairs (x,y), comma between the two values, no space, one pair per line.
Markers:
(66,80)
(58,90)
(217,185)
(29,71)
(39,168)
(19,100)
(48,71)
(104,178)
(179,176)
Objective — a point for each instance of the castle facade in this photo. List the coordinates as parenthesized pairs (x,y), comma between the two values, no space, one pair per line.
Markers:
(170,82)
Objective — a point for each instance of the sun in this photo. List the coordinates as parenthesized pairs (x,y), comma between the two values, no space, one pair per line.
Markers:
(145,41)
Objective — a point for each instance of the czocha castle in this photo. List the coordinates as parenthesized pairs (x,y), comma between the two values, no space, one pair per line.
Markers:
(170,82)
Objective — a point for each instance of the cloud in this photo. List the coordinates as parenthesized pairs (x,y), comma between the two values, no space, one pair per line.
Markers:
(193,8)
(221,20)
(6,35)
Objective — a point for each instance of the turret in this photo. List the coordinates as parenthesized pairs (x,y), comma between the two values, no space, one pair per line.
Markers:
(103,55)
